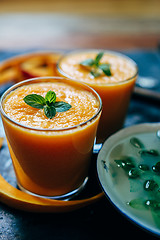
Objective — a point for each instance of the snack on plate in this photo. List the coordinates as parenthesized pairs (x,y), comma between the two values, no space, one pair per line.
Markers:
(36,64)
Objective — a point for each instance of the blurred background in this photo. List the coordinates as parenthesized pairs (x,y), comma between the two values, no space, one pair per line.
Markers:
(66,24)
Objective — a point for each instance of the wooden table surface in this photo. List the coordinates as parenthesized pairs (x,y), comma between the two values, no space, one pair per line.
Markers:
(66,24)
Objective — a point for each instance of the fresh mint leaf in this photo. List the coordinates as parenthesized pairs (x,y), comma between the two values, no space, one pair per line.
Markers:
(62,106)
(94,66)
(50,111)
(88,62)
(95,73)
(98,58)
(106,69)
(35,101)
(48,103)
(50,98)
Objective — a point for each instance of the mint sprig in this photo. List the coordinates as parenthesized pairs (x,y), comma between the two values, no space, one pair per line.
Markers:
(95,67)
(48,103)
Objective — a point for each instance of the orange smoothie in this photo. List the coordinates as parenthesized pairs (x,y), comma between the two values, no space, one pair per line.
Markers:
(115,90)
(51,157)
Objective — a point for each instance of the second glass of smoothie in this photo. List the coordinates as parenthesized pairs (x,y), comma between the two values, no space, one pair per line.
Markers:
(114,89)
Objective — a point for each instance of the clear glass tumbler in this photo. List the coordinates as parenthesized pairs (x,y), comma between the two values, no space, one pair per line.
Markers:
(48,162)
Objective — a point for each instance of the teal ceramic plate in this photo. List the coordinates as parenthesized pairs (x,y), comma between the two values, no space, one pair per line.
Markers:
(129,171)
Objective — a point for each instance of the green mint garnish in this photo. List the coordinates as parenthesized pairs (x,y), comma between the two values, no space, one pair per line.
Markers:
(106,69)
(88,62)
(50,98)
(98,58)
(48,103)
(34,100)
(95,67)
(62,106)
(50,111)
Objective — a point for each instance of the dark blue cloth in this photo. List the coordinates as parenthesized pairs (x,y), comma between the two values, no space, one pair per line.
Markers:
(141,109)
(148,62)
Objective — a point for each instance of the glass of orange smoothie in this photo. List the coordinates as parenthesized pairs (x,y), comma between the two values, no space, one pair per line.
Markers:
(112,75)
(50,145)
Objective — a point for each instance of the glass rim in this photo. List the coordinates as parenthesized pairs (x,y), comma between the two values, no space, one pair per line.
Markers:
(37,79)
(72,52)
